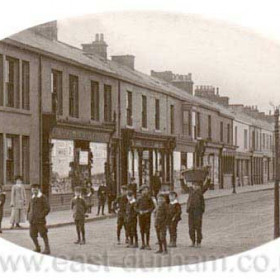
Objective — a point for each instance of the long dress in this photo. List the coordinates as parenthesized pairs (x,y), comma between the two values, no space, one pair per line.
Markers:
(18,202)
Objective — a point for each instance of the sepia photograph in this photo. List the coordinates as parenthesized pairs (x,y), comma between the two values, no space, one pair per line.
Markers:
(139,139)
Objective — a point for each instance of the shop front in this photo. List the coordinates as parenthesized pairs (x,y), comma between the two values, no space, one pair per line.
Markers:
(211,158)
(243,169)
(145,154)
(74,155)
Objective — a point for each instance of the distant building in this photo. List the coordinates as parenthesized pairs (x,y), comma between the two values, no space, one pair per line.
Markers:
(183,82)
(212,94)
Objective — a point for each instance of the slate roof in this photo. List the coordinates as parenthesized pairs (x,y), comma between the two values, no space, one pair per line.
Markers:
(28,39)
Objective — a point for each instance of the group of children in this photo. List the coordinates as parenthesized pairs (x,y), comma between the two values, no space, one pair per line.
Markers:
(131,210)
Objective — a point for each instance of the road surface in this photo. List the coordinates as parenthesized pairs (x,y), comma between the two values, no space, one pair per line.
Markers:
(231,225)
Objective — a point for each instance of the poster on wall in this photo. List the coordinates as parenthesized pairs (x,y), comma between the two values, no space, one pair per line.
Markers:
(189,160)
(83,158)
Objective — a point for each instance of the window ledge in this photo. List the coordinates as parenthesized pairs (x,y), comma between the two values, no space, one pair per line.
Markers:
(130,126)
(15,110)
(144,128)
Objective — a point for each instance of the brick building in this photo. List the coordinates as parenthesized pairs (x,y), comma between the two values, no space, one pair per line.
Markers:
(73,115)
(20,115)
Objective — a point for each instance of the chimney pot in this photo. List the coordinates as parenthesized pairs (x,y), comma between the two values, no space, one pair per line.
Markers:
(96,37)
(101,37)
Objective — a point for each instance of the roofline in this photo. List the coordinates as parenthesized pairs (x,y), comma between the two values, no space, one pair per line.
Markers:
(90,68)
(199,102)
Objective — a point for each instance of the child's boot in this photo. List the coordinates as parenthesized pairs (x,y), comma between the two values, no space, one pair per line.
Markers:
(47,250)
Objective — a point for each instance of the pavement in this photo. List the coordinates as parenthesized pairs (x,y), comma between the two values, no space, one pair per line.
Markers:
(64,218)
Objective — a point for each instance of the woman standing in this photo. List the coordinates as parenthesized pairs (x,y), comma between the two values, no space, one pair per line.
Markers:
(18,202)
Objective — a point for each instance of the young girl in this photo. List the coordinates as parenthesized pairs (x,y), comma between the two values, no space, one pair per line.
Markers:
(18,202)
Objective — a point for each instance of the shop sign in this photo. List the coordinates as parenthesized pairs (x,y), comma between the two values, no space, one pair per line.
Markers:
(148,144)
(79,134)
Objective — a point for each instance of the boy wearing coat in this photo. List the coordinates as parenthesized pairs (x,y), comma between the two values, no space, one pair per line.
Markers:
(174,218)
(37,211)
(131,220)
(161,222)
(144,208)
(195,210)
(120,208)
(79,208)
(2,202)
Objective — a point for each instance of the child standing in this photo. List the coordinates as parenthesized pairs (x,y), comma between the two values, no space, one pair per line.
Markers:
(174,217)
(79,208)
(145,207)
(2,202)
(120,208)
(195,210)
(131,220)
(102,195)
(161,221)
(37,211)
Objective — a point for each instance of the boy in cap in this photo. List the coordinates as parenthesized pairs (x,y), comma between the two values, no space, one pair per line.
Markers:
(174,217)
(161,222)
(195,210)
(38,209)
(120,208)
(2,202)
(144,208)
(79,208)
(132,186)
(131,220)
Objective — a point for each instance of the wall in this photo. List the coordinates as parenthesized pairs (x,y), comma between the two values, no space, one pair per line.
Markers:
(24,122)
(85,78)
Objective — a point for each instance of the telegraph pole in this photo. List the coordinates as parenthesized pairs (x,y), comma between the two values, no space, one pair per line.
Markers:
(276,187)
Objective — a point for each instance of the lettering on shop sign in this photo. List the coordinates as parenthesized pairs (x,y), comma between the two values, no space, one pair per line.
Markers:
(147,144)
(75,134)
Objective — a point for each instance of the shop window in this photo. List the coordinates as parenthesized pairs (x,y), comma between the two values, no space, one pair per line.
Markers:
(99,158)
(63,167)
(12,82)
(57,94)
(94,101)
(25,85)
(73,96)
(157,114)
(25,159)
(129,120)
(12,157)
(107,103)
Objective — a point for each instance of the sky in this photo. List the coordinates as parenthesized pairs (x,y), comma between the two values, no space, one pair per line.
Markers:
(242,63)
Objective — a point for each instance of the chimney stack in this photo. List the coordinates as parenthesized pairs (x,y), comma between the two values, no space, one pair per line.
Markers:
(97,47)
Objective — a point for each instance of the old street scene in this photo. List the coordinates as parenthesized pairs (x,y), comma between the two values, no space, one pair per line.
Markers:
(109,163)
